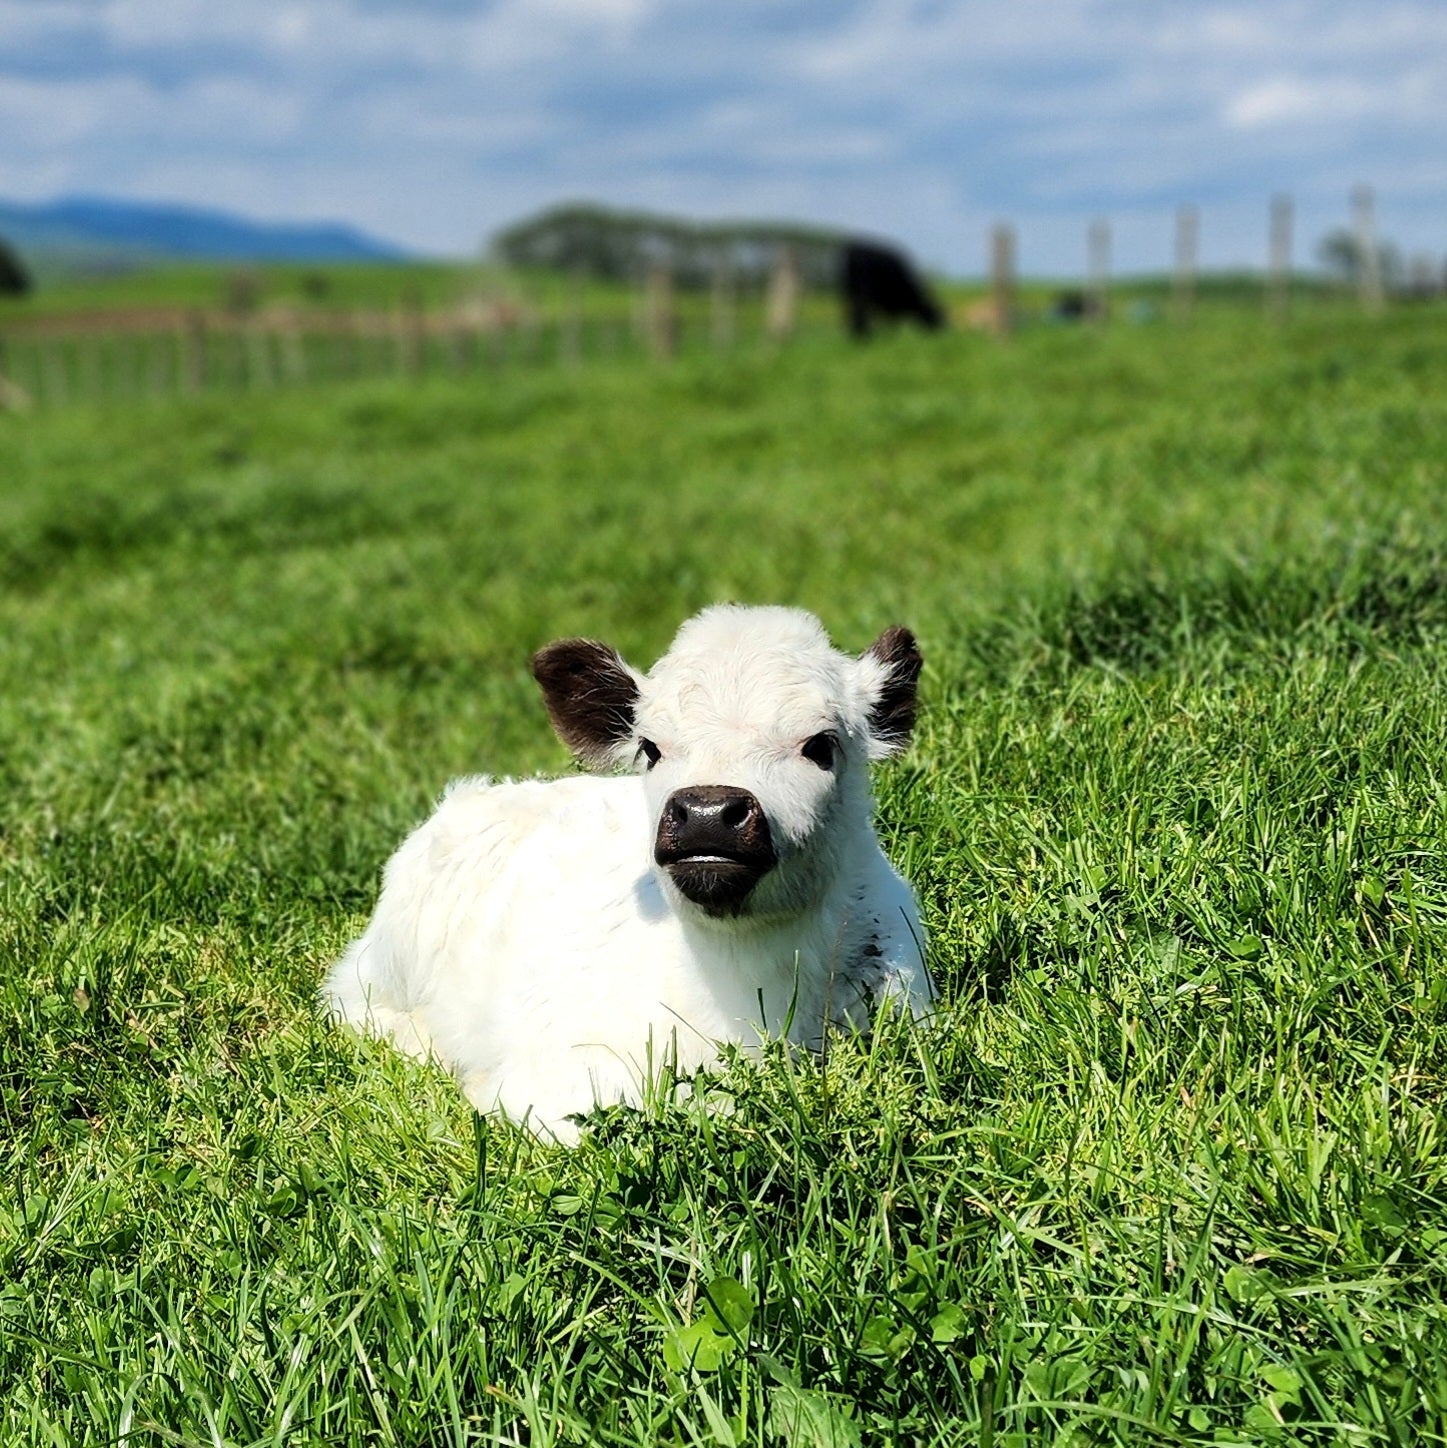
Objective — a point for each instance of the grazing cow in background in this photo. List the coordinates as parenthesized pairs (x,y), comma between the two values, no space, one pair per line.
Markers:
(878,282)
(556,942)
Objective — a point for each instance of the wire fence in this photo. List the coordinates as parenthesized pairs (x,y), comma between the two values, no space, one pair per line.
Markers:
(173,351)
(52,361)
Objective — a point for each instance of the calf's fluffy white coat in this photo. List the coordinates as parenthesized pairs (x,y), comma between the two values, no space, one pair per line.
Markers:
(555,942)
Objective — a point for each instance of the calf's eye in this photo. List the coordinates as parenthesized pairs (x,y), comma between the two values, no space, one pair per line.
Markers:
(820,750)
(650,751)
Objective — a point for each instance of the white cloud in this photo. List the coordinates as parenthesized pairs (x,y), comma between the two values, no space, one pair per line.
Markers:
(44,117)
(1291,100)
(605,12)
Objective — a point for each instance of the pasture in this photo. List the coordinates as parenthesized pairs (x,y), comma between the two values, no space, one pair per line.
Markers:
(1169,1168)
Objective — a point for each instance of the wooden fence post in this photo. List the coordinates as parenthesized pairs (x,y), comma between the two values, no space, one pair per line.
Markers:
(236,354)
(1183,280)
(153,365)
(421,335)
(133,366)
(570,320)
(721,300)
(1369,258)
(1278,290)
(498,348)
(54,370)
(661,319)
(88,360)
(293,347)
(1098,246)
(13,397)
(118,349)
(397,338)
(1002,279)
(781,312)
(353,359)
(459,349)
(178,356)
(409,335)
(260,372)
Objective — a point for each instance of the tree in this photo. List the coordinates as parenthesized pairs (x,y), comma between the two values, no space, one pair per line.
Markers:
(14,279)
(622,245)
(1341,254)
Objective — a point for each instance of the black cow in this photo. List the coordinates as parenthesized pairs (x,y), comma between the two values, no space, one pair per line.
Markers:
(878,282)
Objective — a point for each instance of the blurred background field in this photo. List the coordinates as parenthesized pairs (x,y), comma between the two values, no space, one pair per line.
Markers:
(1169,1167)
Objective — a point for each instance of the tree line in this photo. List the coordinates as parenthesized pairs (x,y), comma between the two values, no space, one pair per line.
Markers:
(621,246)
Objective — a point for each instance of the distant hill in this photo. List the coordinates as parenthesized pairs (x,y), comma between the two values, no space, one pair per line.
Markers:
(86,232)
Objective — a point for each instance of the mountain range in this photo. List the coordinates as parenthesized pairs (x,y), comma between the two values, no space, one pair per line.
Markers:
(83,231)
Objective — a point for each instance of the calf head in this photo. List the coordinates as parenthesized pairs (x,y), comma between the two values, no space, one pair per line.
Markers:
(754,736)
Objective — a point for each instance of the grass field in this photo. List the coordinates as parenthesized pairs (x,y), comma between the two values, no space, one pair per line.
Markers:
(1169,1167)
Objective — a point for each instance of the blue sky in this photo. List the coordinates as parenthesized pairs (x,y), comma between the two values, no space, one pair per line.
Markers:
(432,122)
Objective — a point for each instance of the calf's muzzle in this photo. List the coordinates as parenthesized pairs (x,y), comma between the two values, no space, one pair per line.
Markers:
(714,841)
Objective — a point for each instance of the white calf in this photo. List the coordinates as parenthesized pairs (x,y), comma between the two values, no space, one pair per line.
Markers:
(555,942)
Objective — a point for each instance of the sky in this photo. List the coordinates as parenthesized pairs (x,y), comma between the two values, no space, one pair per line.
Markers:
(433,122)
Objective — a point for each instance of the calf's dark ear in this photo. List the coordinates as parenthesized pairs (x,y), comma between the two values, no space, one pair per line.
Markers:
(591,696)
(891,717)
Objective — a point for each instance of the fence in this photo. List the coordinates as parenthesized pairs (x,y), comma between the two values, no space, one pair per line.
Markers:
(132,355)
(139,353)
(159,351)
(1425,277)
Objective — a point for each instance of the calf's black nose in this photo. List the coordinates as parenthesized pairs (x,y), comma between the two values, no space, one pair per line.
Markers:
(714,819)
(714,841)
